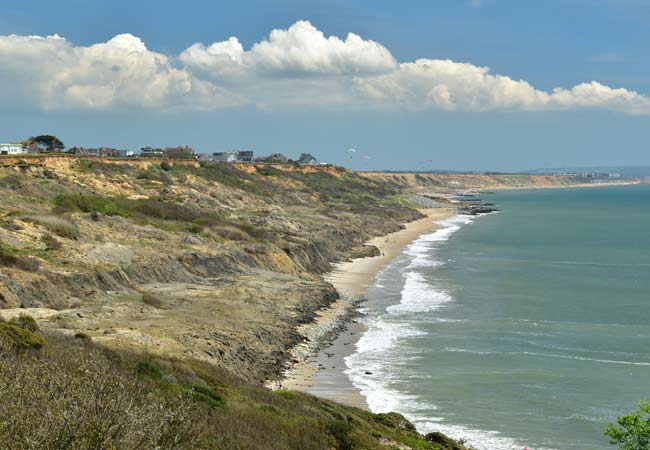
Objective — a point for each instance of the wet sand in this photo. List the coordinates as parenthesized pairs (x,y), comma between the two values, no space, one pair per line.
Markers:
(323,374)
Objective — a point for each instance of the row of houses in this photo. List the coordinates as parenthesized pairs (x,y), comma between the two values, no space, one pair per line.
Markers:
(182,151)
(249,156)
(49,144)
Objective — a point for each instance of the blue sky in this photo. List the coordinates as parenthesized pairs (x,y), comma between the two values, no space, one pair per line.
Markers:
(548,44)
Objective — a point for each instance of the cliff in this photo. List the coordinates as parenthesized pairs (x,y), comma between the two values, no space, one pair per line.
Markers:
(472,181)
(205,273)
(213,261)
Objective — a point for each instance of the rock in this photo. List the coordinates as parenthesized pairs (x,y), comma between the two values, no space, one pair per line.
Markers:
(192,240)
(444,441)
(476,210)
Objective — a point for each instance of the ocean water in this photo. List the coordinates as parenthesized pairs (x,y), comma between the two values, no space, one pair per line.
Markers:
(527,327)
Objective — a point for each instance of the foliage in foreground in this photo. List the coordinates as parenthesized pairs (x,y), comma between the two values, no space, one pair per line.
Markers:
(72,393)
(632,431)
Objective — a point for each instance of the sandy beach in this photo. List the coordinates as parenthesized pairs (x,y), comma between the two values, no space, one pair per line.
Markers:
(320,371)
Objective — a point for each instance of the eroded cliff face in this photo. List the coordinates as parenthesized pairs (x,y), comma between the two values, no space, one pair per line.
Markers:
(450,182)
(216,262)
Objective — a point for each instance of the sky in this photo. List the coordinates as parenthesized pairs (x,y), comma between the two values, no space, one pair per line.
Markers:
(415,85)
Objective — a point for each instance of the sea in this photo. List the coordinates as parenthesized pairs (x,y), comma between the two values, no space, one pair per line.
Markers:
(529,327)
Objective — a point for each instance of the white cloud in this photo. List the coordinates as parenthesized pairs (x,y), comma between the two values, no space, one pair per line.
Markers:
(296,66)
(301,50)
(119,73)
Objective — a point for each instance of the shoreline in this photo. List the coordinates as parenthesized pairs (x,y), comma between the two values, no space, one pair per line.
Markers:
(338,323)
(319,365)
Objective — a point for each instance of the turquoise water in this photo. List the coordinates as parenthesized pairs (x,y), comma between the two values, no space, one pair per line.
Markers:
(529,327)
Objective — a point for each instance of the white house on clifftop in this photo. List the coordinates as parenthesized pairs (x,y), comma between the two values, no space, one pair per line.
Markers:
(12,148)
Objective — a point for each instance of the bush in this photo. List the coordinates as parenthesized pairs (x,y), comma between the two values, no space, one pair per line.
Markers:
(165,166)
(110,206)
(25,322)
(152,300)
(9,258)
(83,336)
(50,242)
(78,396)
(232,233)
(149,369)
(207,396)
(632,431)
(58,225)
(15,338)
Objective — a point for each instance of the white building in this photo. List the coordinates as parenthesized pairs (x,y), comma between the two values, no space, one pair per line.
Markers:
(12,148)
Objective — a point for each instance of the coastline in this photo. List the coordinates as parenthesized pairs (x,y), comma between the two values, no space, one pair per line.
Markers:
(319,363)
(338,323)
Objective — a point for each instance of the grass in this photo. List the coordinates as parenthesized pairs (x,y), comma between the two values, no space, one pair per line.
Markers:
(84,396)
(10,257)
(57,224)
(153,300)
(155,211)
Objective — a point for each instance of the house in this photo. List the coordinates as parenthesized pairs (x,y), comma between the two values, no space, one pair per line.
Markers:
(307,158)
(245,155)
(151,152)
(182,151)
(12,148)
(225,156)
(234,156)
(204,157)
(273,158)
(105,152)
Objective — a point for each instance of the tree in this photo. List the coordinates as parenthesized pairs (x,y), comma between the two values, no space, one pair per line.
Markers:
(46,142)
(633,430)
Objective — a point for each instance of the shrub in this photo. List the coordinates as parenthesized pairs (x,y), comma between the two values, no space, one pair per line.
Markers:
(50,242)
(15,338)
(165,166)
(195,228)
(149,369)
(86,165)
(26,322)
(83,336)
(28,264)
(231,233)
(110,206)
(9,258)
(152,300)
(11,225)
(78,396)
(207,396)
(632,431)
(56,224)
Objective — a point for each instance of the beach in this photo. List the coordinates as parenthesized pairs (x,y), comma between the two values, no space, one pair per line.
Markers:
(330,338)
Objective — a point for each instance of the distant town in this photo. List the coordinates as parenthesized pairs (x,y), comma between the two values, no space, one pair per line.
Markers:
(48,144)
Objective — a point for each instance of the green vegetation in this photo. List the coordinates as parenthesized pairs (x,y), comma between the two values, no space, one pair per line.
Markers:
(152,300)
(9,257)
(632,431)
(25,322)
(50,242)
(19,334)
(47,142)
(57,224)
(84,396)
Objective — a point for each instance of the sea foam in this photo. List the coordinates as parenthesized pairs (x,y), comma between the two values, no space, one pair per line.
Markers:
(371,367)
